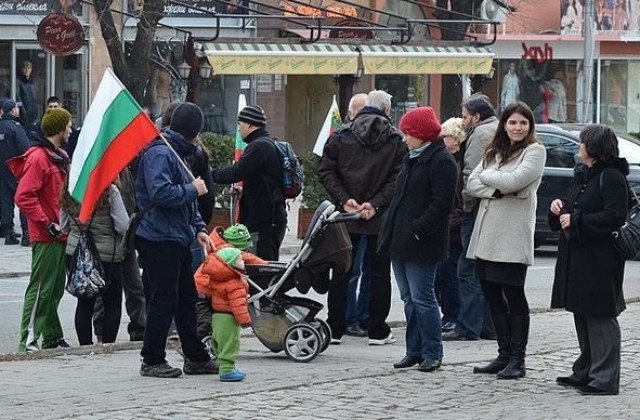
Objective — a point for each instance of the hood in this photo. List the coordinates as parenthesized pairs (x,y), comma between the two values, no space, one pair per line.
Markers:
(57,156)
(182,147)
(492,119)
(217,270)
(372,128)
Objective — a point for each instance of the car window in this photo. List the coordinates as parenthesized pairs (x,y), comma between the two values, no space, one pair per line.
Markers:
(561,151)
(629,150)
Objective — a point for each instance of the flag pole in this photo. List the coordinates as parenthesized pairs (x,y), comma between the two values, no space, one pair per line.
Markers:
(184,165)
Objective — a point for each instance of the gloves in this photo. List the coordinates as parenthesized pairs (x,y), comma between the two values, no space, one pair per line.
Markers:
(54,230)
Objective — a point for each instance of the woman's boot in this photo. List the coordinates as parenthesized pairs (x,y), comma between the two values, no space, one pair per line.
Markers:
(519,336)
(503,331)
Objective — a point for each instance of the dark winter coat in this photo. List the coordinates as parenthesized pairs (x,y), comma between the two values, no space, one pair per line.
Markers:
(416,226)
(262,203)
(13,142)
(361,161)
(589,273)
(199,164)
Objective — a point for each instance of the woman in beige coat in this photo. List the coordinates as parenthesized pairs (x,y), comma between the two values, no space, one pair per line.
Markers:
(502,240)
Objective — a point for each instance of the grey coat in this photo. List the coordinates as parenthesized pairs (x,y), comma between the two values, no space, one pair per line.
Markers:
(477,140)
(504,227)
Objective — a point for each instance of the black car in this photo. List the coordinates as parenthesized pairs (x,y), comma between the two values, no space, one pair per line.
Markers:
(562,143)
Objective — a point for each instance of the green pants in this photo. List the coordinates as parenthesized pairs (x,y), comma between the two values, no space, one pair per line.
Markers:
(226,341)
(43,294)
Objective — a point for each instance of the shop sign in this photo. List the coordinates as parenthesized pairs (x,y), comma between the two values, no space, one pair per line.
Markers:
(35,7)
(351,30)
(60,34)
(539,54)
(196,8)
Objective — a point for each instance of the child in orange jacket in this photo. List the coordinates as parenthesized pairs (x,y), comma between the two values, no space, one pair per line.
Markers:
(229,290)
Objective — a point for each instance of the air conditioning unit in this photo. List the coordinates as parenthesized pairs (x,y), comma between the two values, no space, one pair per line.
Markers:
(492,11)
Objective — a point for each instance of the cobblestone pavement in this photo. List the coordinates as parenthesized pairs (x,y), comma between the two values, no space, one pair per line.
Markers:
(350,381)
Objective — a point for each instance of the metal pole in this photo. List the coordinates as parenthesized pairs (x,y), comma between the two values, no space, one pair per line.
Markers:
(587,73)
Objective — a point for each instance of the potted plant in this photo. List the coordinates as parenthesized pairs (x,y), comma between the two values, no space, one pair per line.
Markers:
(220,148)
(313,193)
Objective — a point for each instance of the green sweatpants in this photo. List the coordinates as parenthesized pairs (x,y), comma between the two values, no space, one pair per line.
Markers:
(43,294)
(226,341)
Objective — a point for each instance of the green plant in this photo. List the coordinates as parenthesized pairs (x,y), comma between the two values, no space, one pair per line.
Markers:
(313,192)
(220,148)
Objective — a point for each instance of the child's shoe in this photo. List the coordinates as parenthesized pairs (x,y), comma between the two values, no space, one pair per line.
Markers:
(234,376)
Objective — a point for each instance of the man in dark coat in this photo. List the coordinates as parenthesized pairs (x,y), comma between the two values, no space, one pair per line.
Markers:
(13,142)
(359,166)
(262,204)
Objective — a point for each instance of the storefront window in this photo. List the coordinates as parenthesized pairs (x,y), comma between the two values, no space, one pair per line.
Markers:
(613,94)
(69,81)
(31,83)
(408,91)
(549,87)
(5,69)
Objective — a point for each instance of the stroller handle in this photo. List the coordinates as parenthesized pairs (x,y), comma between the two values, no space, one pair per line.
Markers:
(344,218)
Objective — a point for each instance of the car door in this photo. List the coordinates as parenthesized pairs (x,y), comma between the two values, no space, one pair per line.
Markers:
(562,147)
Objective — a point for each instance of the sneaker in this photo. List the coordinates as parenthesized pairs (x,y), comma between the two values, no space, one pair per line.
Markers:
(234,376)
(382,341)
(200,368)
(25,241)
(163,370)
(335,341)
(448,326)
(58,344)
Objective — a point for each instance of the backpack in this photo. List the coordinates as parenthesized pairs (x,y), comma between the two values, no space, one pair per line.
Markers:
(292,177)
(86,276)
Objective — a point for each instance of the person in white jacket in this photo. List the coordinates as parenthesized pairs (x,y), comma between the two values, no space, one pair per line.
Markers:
(506,181)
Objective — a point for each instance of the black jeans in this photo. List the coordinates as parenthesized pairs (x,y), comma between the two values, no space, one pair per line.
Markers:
(8,187)
(267,241)
(505,299)
(171,294)
(112,302)
(380,292)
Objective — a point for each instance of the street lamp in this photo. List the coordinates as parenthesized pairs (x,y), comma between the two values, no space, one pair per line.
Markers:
(205,70)
(184,70)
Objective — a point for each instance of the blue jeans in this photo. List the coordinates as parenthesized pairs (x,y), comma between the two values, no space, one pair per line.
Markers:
(415,282)
(447,286)
(358,302)
(170,293)
(471,315)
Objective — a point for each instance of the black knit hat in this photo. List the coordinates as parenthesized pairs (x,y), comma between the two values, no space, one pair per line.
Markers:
(188,120)
(254,115)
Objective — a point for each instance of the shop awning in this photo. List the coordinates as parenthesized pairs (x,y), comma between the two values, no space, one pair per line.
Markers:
(264,58)
(413,59)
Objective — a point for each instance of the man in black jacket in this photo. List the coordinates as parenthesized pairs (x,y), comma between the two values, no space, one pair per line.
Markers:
(13,142)
(359,166)
(262,204)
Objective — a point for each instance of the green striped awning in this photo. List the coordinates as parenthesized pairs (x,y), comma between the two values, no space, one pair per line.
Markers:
(265,58)
(414,59)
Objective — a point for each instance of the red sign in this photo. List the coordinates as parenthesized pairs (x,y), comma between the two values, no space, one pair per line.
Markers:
(537,53)
(60,34)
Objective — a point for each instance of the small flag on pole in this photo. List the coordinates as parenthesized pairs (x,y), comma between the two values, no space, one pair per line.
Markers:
(240,144)
(331,124)
(114,131)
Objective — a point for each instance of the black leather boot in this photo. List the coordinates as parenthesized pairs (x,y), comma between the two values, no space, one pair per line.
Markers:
(503,332)
(519,336)
(10,237)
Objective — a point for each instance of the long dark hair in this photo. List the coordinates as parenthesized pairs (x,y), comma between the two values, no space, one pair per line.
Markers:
(501,144)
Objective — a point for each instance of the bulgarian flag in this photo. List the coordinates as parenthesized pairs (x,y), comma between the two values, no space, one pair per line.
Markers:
(331,123)
(240,144)
(114,131)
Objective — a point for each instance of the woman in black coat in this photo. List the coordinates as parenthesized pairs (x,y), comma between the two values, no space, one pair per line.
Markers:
(589,272)
(415,232)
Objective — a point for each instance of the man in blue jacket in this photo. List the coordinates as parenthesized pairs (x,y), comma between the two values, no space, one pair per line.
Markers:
(13,142)
(168,193)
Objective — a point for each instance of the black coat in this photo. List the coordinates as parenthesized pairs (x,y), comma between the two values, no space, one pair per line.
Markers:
(13,142)
(589,273)
(416,226)
(262,203)
(361,161)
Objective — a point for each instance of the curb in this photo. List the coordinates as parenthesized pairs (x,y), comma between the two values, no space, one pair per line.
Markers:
(12,275)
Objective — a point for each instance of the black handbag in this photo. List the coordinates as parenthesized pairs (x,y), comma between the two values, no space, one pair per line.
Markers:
(626,240)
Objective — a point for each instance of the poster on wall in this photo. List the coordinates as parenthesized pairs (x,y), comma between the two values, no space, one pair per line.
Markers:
(633,99)
(618,16)
(572,17)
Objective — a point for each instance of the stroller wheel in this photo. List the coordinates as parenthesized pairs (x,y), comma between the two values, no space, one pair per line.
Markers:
(302,343)
(325,332)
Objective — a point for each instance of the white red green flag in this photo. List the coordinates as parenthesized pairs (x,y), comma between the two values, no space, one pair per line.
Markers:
(240,144)
(114,131)
(331,123)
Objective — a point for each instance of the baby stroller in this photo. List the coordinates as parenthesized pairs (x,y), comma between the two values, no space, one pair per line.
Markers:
(289,323)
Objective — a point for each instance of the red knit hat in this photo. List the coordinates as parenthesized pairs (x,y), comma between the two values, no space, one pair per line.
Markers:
(421,123)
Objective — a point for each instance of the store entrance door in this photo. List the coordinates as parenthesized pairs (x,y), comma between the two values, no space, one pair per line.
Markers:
(31,81)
